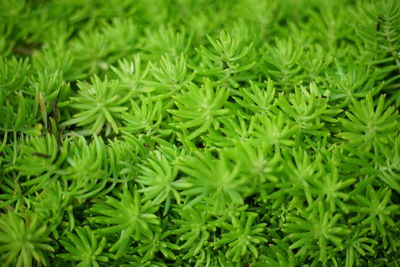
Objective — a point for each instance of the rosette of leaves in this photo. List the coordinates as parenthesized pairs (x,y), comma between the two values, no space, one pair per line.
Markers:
(84,248)
(375,209)
(370,125)
(234,128)
(315,62)
(14,100)
(122,157)
(52,204)
(144,116)
(226,60)
(352,83)
(330,27)
(48,87)
(358,247)
(389,165)
(282,63)
(11,192)
(215,181)
(14,74)
(40,161)
(257,98)
(193,229)
(24,240)
(294,184)
(331,185)
(277,254)
(126,218)
(100,106)
(159,180)
(84,174)
(318,230)
(275,129)
(170,75)
(158,242)
(308,109)
(132,75)
(197,108)
(16,118)
(56,56)
(243,237)
(258,162)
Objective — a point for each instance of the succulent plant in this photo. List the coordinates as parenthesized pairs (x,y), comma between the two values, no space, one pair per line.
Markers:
(200,133)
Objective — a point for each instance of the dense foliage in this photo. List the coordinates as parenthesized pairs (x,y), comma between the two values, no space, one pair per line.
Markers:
(199,133)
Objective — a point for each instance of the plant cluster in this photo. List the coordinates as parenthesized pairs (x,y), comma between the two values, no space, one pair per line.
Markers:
(199,133)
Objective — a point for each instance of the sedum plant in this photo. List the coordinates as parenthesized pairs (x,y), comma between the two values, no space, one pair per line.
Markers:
(158,178)
(214,180)
(24,240)
(84,248)
(224,60)
(136,221)
(99,105)
(370,126)
(199,133)
(242,237)
(316,228)
(197,107)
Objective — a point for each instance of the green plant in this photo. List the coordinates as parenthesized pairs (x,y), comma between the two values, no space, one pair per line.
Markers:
(193,230)
(214,180)
(197,108)
(40,161)
(242,237)
(23,240)
(374,209)
(370,126)
(84,248)
(199,133)
(316,227)
(127,216)
(99,106)
(159,181)
(282,62)
(225,60)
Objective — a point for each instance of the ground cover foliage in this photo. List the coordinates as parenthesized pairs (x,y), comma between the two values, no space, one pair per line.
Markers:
(199,133)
